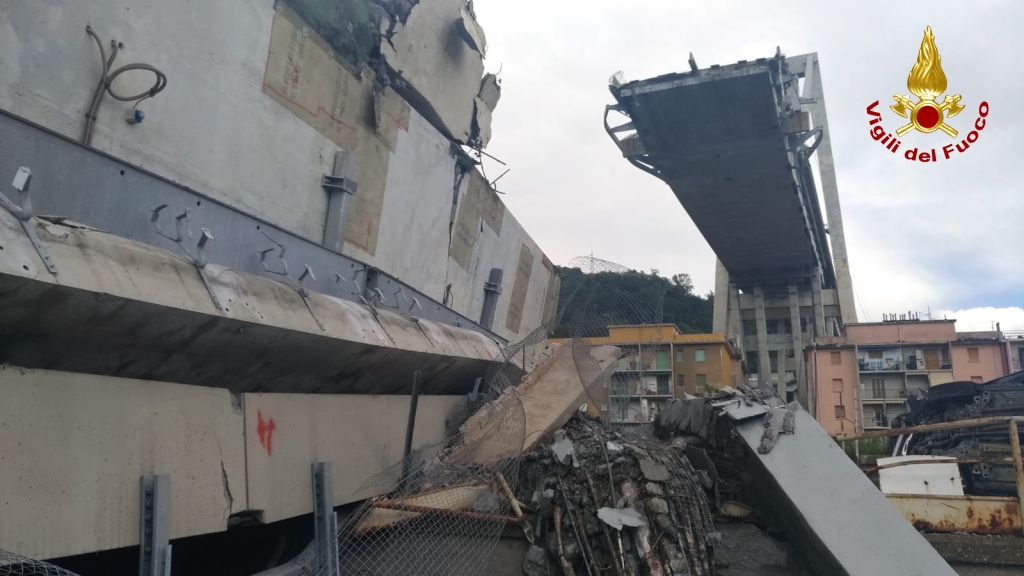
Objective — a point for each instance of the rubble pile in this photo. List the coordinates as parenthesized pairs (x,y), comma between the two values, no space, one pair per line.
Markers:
(608,502)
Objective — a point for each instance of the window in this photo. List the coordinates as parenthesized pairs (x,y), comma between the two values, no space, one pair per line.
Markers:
(837,385)
(680,381)
(661,360)
(878,387)
(698,355)
(664,385)
(752,362)
(702,381)
(750,327)
(840,412)
(881,419)
(972,355)
(790,354)
(679,356)
(837,358)
(976,379)
(875,354)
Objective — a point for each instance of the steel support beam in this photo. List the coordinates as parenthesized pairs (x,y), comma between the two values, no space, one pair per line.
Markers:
(155,526)
(89,187)
(340,187)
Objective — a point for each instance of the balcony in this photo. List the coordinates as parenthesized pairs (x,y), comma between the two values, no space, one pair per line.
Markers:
(635,393)
(629,369)
(881,365)
(890,397)
(891,365)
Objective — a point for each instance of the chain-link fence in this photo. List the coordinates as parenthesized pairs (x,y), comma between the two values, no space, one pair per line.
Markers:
(444,507)
(12,564)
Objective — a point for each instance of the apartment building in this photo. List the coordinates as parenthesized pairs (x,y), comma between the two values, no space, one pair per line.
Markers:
(862,379)
(658,363)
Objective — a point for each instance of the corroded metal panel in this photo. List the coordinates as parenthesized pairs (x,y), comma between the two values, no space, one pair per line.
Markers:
(974,514)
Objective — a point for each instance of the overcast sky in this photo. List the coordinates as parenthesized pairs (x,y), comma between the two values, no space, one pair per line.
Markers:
(949,235)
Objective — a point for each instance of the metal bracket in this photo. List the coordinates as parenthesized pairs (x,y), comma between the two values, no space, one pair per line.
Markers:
(24,214)
(338,184)
(154,526)
(181,231)
(799,139)
(325,521)
(299,286)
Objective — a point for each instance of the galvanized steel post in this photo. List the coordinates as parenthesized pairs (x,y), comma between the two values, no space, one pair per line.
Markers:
(325,521)
(154,525)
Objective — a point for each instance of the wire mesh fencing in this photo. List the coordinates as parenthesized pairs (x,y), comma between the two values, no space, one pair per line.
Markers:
(12,564)
(443,508)
(625,378)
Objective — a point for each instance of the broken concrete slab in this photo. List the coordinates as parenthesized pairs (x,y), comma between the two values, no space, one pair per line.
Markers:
(548,398)
(470,30)
(481,122)
(440,71)
(490,91)
(388,512)
(806,478)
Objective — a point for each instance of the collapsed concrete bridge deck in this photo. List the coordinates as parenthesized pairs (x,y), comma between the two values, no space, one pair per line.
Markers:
(735,144)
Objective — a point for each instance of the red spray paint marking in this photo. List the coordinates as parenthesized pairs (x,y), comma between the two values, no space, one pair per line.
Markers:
(265,430)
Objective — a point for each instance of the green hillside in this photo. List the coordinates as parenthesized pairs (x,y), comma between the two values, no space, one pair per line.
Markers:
(589,303)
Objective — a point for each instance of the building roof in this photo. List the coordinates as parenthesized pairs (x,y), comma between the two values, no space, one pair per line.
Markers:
(943,321)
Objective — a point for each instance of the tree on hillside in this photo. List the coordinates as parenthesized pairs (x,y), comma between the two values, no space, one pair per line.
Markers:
(589,303)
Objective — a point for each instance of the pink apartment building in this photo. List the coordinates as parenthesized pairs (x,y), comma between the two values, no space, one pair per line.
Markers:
(861,379)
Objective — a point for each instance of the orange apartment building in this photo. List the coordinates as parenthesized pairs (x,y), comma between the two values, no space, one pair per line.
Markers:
(862,378)
(658,363)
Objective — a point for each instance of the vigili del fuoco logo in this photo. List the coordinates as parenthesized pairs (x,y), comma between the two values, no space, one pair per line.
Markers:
(927,82)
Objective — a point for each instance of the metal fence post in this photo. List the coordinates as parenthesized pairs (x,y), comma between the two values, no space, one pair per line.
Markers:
(325,521)
(1018,464)
(154,525)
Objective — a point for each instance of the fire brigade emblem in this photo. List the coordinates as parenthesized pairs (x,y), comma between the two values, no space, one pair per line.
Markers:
(927,81)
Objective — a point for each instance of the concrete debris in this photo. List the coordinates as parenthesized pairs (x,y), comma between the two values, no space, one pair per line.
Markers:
(442,76)
(689,416)
(614,446)
(481,123)
(625,522)
(550,395)
(470,31)
(776,421)
(490,91)
(536,562)
(562,447)
(653,471)
(775,463)
(617,518)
